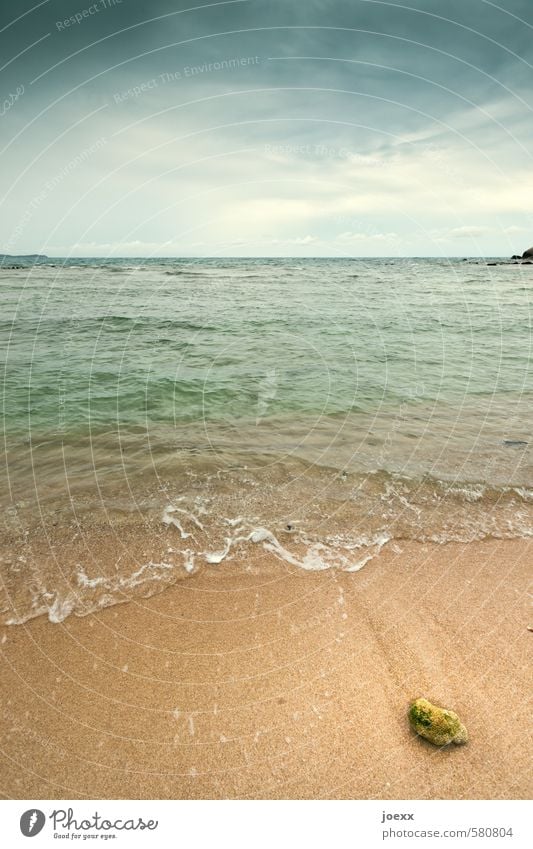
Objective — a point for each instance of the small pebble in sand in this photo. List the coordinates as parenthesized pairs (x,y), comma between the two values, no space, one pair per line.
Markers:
(438,725)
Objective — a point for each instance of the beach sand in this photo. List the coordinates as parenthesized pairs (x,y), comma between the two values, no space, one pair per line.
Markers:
(255,679)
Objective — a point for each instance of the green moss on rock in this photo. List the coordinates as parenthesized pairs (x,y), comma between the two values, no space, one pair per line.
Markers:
(438,725)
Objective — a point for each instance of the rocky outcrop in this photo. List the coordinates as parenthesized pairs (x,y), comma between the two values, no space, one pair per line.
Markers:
(518,259)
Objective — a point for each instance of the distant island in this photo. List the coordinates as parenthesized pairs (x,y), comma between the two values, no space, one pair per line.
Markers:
(12,257)
(10,261)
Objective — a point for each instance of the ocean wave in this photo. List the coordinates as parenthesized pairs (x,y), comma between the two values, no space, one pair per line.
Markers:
(91,594)
(179,272)
(201,532)
(87,594)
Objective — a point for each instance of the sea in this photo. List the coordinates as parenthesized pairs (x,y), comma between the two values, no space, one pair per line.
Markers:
(319,409)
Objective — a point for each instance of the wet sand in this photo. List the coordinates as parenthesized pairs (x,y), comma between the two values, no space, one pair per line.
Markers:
(254,679)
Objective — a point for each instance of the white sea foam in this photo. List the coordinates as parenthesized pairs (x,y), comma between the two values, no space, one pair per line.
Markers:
(49,603)
(524,493)
(190,516)
(218,556)
(57,606)
(318,557)
(118,582)
(188,560)
(470,493)
(169,519)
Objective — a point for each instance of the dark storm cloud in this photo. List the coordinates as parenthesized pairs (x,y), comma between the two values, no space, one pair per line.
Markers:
(379,49)
(110,31)
(370,77)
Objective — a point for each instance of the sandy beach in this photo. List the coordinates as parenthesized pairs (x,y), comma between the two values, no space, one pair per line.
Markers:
(255,679)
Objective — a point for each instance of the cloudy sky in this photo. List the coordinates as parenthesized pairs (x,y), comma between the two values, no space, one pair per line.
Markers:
(266,127)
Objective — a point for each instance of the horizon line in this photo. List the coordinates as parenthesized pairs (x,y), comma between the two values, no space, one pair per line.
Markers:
(258,256)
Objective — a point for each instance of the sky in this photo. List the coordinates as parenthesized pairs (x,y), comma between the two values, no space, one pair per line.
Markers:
(266,128)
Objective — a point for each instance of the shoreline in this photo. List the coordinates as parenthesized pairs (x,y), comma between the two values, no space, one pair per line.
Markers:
(254,679)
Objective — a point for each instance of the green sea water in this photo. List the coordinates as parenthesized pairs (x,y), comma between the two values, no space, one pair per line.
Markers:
(352,402)
(125,343)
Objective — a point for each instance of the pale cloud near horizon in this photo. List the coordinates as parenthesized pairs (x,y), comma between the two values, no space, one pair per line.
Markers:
(405,134)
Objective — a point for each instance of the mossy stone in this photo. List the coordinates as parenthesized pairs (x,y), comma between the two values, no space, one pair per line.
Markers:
(438,725)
